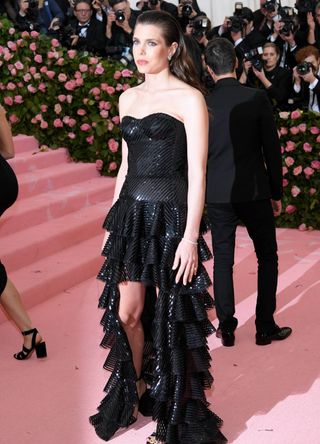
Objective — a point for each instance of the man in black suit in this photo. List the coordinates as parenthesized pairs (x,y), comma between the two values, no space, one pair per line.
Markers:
(244,181)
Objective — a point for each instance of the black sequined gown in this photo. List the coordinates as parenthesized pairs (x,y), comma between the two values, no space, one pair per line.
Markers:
(146,225)
(8,195)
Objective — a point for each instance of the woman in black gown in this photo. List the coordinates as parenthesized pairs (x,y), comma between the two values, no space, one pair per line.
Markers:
(154,244)
(9,296)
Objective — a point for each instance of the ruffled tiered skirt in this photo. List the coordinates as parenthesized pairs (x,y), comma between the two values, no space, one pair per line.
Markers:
(141,247)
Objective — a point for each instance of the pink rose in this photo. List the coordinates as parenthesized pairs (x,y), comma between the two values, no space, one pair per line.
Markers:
(42,87)
(295,115)
(104,114)
(283,131)
(27,77)
(44,108)
(126,73)
(31,89)
(302,227)
(315,164)
(99,164)
(18,65)
(116,120)
(312,191)
(113,166)
(13,72)
(81,112)
(34,34)
(69,98)
(12,46)
(37,76)
(51,54)
(294,130)
(282,149)
(85,101)
(113,145)
(71,136)
(307,147)
(289,161)
(117,75)
(93,60)
(11,86)
(70,85)
(66,119)
(290,209)
(295,191)
(126,86)
(62,77)
(50,74)
(11,31)
(38,58)
(104,86)
(38,117)
(61,98)
(72,123)
(284,170)
(99,70)
(95,91)
(110,126)
(314,130)
(290,146)
(57,108)
(90,139)
(110,90)
(85,127)
(297,170)
(43,69)
(119,87)
(83,67)
(34,120)
(25,34)
(60,61)
(285,182)
(57,123)
(318,139)
(302,127)
(72,53)
(308,171)
(18,99)
(43,124)
(79,81)
(13,118)
(55,43)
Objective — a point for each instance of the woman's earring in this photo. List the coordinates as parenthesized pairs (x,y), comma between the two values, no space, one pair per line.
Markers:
(169,58)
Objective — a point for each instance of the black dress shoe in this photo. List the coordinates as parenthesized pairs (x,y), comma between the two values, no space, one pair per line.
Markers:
(227,337)
(278,334)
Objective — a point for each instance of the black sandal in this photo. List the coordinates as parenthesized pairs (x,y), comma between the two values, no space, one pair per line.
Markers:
(40,347)
(152,439)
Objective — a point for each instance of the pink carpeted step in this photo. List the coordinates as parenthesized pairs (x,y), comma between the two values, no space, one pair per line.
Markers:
(24,143)
(31,161)
(56,203)
(47,179)
(40,241)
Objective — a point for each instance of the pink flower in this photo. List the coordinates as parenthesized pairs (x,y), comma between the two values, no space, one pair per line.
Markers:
(315,164)
(60,61)
(81,112)
(117,75)
(289,161)
(294,130)
(31,89)
(99,164)
(72,123)
(302,127)
(302,227)
(297,170)
(34,34)
(11,86)
(66,119)
(104,105)
(308,171)
(116,120)
(104,114)
(11,31)
(285,182)
(110,90)
(43,69)
(85,101)
(71,135)
(283,131)
(126,73)
(290,146)
(295,115)
(282,149)
(113,145)
(99,70)
(34,120)
(13,72)
(79,81)
(284,170)
(13,118)
(95,91)
(7,56)
(312,191)
(8,100)
(33,46)
(18,99)
(33,69)
(290,209)
(42,87)
(57,123)
(119,87)
(38,58)
(61,98)
(50,74)
(72,53)
(110,126)
(27,77)
(51,54)
(93,60)
(295,191)
(44,108)
(38,117)
(43,124)
(90,139)
(12,46)
(37,76)
(314,130)
(18,65)
(62,77)
(113,166)
(57,108)
(307,147)
(85,127)
(55,43)
(70,85)
(83,67)
(126,86)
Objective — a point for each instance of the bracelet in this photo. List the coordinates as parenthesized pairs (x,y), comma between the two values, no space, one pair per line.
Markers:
(190,241)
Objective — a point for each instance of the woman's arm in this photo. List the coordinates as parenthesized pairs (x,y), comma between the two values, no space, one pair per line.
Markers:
(6,141)
(197,127)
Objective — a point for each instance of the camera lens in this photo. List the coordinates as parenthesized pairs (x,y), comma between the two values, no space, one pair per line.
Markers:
(186,10)
(303,68)
(120,17)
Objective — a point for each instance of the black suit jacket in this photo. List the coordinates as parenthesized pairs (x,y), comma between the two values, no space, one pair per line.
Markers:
(244,161)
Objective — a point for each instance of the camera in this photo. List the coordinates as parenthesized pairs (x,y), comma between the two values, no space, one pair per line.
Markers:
(253,56)
(238,6)
(153,2)
(270,5)
(199,26)
(304,67)
(187,9)
(288,18)
(236,23)
(126,57)
(304,6)
(120,17)
(66,35)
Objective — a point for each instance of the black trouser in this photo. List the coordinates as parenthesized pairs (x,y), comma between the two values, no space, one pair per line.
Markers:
(258,218)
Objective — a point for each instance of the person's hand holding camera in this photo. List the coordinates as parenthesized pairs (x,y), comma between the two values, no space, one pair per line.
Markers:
(55,24)
(296,76)
(289,39)
(96,4)
(309,77)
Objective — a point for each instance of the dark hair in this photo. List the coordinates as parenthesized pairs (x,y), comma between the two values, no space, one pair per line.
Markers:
(76,3)
(114,2)
(247,14)
(220,56)
(181,64)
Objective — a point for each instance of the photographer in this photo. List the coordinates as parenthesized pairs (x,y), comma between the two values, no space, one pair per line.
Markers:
(49,16)
(25,19)
(314,27)
(120,23)
(188,10)
(161,5)
(268,75)
(86,30)
(266,16)
(199,28)
(306,77)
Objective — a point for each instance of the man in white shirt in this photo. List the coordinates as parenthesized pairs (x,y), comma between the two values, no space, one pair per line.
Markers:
(306,77)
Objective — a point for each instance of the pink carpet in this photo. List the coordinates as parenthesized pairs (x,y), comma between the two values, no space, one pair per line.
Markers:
(266,395)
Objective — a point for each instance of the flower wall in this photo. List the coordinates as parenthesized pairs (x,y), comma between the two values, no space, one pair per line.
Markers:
(63,98)
(68,99)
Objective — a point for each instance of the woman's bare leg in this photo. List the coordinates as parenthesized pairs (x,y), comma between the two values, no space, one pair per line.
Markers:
(11,301)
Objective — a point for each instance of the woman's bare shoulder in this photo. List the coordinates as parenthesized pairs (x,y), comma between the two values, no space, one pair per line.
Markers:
(128,98)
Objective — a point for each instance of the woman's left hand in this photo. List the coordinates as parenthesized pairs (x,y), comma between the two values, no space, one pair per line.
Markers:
(186,261)
(259,74)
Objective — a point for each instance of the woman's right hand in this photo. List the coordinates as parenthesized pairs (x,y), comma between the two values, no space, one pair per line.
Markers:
(185,261)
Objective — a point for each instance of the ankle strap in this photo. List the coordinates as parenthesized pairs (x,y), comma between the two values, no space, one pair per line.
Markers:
(29,332)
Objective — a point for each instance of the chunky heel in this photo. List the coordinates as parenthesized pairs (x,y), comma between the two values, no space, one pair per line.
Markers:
(41,350)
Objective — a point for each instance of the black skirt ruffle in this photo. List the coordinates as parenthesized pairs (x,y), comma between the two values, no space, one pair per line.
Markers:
(141,247)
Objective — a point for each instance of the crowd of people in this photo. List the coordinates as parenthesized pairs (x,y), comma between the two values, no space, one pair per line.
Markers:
(277,46)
